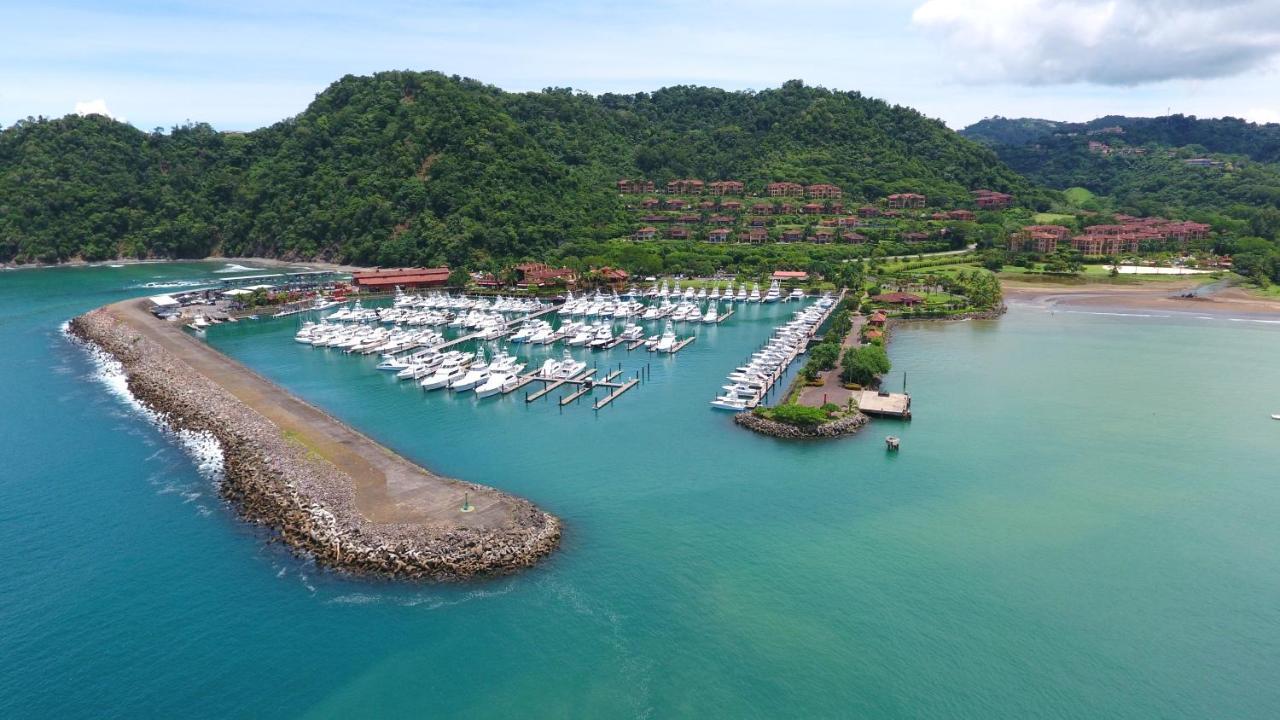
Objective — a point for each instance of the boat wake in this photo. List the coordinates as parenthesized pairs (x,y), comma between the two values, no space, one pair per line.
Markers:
(203,448)
(168,284)
(425,600)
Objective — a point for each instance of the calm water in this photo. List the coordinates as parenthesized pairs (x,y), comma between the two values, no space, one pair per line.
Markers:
(1081,524)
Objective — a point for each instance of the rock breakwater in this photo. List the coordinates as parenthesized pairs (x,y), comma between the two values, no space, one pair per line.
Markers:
(276,478)
(847,425)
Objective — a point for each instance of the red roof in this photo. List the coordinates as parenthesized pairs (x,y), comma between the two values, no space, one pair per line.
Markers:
(790,275)
(401,276)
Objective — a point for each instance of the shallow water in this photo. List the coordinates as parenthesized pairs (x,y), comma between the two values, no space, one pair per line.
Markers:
(1080,524)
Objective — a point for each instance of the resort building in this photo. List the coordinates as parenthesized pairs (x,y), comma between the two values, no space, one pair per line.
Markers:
(905,201)
(390,278)
(991,200)
(906,299)
(541,275)
(791,235)
(1039,238)
(676,204)
(650,203)
(822,190)
(685,187)
(853,237)
(785,189)
(678,232)
(727,187)
(811,209)
(823,235)
(754,235)
(762,209)
(634,187)
(868,211)
(718,235)
(961,215)
(731,205)
(645,233)
(789,276)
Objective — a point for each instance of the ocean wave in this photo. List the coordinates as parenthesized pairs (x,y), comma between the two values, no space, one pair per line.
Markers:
(1255,320)
(232,267)
(1114,314)
(202,447)
(163,284)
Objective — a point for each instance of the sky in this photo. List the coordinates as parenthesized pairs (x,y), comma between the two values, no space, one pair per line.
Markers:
(240,64)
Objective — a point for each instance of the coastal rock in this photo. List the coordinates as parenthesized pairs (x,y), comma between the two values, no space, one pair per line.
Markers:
(847,425)
(308,501)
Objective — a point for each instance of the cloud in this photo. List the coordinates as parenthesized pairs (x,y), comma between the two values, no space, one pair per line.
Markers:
(95,107)
(1106,42)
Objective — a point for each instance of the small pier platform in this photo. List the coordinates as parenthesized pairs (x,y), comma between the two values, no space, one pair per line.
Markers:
(885,404)
(727,314)
(635,344)
(553,384)
(615,394)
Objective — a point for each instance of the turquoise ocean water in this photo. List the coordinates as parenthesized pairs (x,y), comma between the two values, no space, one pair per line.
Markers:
(1082,523)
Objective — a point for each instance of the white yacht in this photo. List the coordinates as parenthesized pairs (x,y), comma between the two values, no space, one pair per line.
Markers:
(712,316)
(755,293)
(775,292)
(451,369)
(742,293)
(603,336)
(729,402)
(476,374)
(568,367)
(668,339)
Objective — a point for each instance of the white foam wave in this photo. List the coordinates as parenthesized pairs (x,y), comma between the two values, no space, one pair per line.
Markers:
(1255,320)
(202,447)
(1114,314)
(232,267)
(159,284)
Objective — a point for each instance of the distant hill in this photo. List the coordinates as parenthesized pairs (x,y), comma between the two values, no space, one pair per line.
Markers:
(1222,171)
(1226,135)
(408,167)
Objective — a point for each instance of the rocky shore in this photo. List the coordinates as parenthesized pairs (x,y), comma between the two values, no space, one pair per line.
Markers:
(847,425)
(277,481)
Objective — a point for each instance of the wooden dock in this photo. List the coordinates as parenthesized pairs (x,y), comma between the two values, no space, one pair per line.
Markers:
(728,314)
(635,344)
(614,395)
(553,384)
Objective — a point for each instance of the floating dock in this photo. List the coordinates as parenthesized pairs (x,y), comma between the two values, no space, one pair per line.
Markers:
(885,404)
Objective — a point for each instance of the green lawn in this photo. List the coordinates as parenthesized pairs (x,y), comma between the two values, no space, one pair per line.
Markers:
(1052,218)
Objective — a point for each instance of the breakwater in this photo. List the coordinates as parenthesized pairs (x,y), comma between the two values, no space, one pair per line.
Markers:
(327,490)
(847,425)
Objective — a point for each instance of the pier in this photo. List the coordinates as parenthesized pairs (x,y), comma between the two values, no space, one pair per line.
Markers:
(475,335)
(885,404)
(330,490)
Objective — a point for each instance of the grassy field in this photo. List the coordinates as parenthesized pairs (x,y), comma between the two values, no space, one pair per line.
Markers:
(1052,218)
(1094,274)
(1077,195)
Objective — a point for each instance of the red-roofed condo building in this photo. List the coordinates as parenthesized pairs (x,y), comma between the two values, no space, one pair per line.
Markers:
(905,200)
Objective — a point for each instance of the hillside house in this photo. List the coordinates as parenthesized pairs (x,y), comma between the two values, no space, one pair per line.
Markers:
(718,235)
(754,235)
(905,201)
(645,233)
(823,190)
(791,235)
(784,189)
(868,211)
(762,209)
(823,235)
(689,219)
(853,238)
(962,215)
(676,204)
(726,187)
(650,203)
(635,187)
(991,200)
(811,209)
(688,186)
(721,220)
(914,237)
(678,232)
(731,205)
(905,299)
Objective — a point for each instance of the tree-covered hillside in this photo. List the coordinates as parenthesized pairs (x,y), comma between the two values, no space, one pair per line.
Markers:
(1223,172)
(408,168)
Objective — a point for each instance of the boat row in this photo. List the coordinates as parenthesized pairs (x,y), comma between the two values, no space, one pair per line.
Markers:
(365,339)
(750,381)
(728,294)
(445,301)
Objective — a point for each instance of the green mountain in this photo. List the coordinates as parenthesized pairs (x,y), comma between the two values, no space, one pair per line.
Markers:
(409,168)
(1222,171)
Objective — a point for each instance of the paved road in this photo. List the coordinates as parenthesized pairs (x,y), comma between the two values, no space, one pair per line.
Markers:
(389,488)
(832,389)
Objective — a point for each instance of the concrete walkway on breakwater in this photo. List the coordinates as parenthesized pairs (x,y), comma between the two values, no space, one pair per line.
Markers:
(388,488)
(832,389)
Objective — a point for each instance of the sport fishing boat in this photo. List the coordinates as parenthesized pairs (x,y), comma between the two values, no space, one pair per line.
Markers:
(668,339)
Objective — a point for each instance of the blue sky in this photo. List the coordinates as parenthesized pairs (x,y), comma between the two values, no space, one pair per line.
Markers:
(240,65)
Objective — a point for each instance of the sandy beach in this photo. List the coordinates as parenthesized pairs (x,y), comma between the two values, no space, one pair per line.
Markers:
(1167,296)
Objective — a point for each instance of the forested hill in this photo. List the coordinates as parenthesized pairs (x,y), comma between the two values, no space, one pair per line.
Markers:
(408,168)
(1228,135)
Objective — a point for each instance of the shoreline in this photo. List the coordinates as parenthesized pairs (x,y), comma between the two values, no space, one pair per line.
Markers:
(327,490)
(1167,296)
(269,262)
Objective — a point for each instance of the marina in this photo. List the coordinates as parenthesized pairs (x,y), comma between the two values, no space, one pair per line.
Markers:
(758,518)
